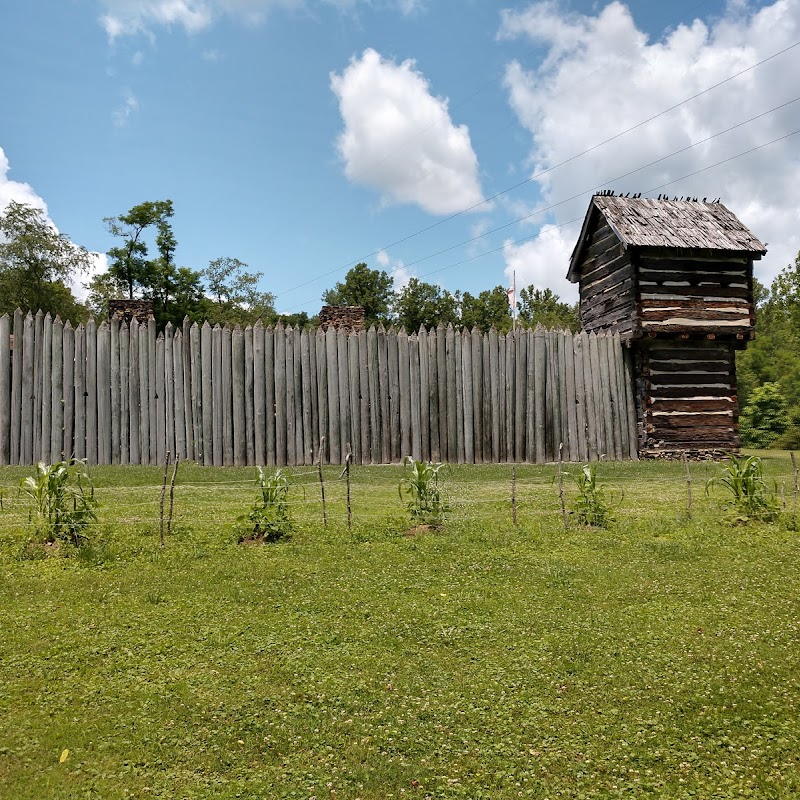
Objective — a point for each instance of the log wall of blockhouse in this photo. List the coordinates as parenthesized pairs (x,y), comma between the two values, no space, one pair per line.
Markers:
(694,294)
(686,395)
(607,284)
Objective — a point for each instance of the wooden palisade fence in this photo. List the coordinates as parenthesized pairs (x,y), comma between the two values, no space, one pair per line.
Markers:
(115,394)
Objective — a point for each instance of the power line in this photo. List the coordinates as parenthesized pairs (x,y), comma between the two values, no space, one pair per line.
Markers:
(586,191)
(541,173)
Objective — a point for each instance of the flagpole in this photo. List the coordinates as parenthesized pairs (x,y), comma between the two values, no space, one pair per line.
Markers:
(514,308)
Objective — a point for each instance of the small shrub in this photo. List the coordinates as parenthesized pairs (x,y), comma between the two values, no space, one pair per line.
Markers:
(590,507)
(269,518)
(421,486)
(60,508)
(742,478)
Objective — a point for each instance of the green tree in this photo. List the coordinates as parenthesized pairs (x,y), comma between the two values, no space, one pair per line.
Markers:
(362,286)
(425,304)
(543,307)
(235,292)
(489,308)
(765,417)
(35,263)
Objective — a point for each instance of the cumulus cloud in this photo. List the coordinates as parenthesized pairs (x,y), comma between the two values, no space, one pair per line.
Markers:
(396,268)
(132,17)
(541,261)
(602,75)
(129,107)
(399,139)
(19,192)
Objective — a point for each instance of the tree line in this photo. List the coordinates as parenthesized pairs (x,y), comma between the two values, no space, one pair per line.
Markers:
(37,263)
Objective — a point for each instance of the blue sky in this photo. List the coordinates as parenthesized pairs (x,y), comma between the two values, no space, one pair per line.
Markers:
(301,136)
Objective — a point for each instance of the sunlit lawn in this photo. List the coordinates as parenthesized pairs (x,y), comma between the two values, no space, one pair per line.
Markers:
(658,658)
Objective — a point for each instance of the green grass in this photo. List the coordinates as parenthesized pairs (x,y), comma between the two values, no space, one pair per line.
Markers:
(655,659)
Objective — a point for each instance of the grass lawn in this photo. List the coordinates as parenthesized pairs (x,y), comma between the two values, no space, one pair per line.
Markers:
(658,658)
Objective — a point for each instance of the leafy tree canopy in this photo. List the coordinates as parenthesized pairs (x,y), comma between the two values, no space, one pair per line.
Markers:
(489,308)
(425,304)
(236,298)
(362,286)
(543,307)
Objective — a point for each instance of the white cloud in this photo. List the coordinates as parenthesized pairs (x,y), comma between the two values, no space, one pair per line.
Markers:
(542,262)
(398,271)
(135,17)
(123,114)
(601,75)
(399,139)
(19,192)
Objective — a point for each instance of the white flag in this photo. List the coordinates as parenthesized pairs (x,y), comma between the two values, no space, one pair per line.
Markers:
(512,298)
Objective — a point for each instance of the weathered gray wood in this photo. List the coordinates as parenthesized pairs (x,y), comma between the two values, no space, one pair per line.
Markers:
(424,394)
(494,393)
(227,396)
(26,436)
(135,433)
(600,428)
(416,407)
(510,399)
(116,398)
(91,393)
(38,368)
(551,399)
(395,401)
(207,349)
(152,400)
(145,420)
(238,390)
(196,384)
(188,405)
(374,397)
(459,397)
(618,370)
(308,393)
(404,387)
(57,393)
(502,380)
(5,389)
(169,389)
(179,412)
(520,339)
(433,395)
(345,417)
(615,405)
(46,421)
(590,404)
(581,432)
(355,395)
(299,447)
(80,392)
(477,394)
(441,387)
(103,390)
(469,418)
(259,395)
(536,385)
(383,385)
(322,391)
(451,410)
(16,388)
(571,415)
(124,391)
(487,401)
(271,453)
(160,421)
(633,438)
(561,410)
(334,432)
(249,393)
(539,388)
(215,380)
(364,389)
(68,367)
(281,430)
(314,376)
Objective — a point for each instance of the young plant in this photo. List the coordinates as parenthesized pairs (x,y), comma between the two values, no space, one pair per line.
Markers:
(60,508)
(421,486)
(590,507)
(269,518)
(742,478)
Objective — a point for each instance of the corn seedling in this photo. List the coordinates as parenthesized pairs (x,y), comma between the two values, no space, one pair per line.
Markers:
(742,478)
(269,518)
(590,507)
(425,503)
(60,507)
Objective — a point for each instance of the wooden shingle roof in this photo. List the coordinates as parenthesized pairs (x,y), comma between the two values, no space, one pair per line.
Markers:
(685,224)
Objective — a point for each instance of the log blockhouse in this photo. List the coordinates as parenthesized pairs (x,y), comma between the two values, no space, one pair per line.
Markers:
(675,279)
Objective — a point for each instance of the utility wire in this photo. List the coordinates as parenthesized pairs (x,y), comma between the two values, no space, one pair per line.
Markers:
(541,173)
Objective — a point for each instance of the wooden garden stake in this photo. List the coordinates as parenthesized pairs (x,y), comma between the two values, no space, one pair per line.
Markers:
(514,494)
(688,486)
(321,480)
(561,484)
(172,495)
(161,504)
(783,495)
(346,473)
(794,490)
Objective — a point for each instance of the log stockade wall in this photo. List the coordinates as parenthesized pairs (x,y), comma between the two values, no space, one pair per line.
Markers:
(119,394)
